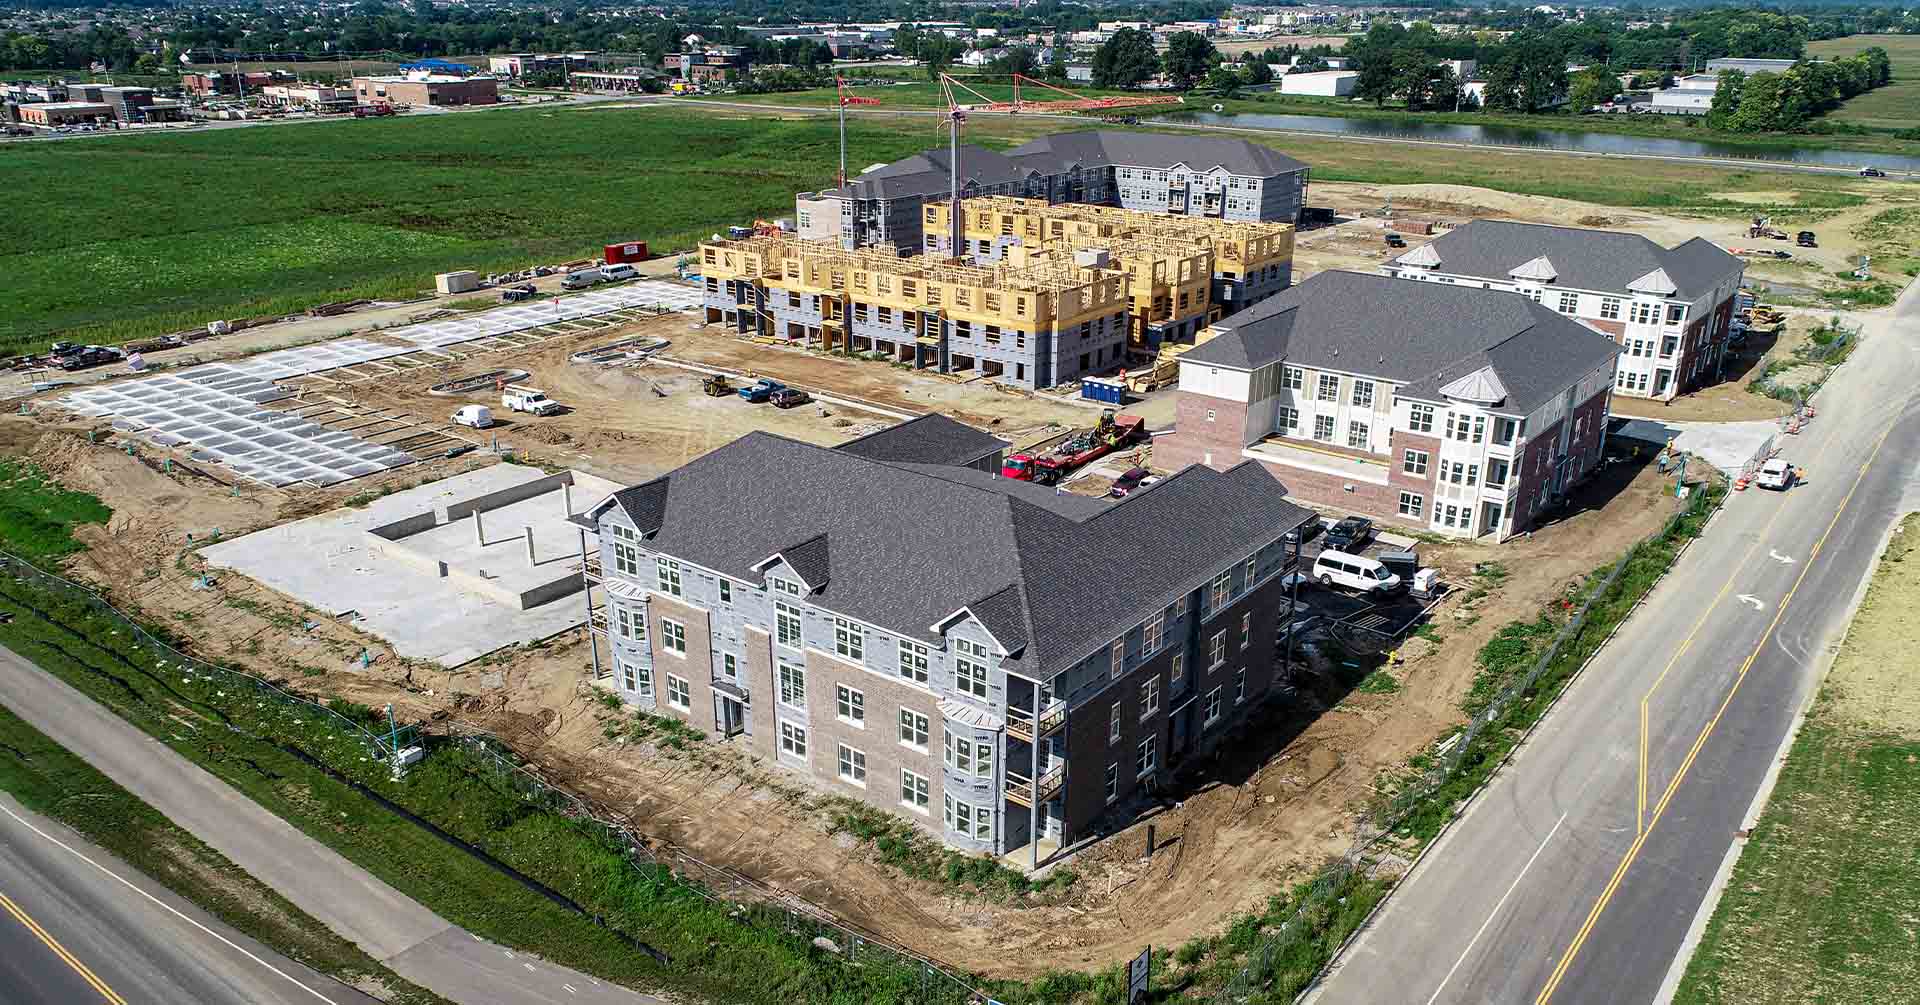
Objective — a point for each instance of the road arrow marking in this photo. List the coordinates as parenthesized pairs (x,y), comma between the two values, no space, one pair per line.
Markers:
(1758,604)
(1782,559)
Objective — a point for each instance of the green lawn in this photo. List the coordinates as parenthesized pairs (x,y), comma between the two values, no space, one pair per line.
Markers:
(37,516)
(918,94)
(1823,902)
(1895,106)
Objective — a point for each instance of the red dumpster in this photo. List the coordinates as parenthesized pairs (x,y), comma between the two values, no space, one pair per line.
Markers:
(628,251)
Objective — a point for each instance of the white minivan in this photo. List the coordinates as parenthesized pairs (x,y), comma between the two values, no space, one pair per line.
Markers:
(580,279)
(619,272)
(1354,572)
(476,416)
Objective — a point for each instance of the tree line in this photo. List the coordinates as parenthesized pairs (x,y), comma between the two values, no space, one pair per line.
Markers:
(1785,102)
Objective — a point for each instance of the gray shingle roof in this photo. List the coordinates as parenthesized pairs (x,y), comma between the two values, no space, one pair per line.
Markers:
(930,439)
(1419,334)
(928,173)
(909,547)
(1585,259)
(1108,147)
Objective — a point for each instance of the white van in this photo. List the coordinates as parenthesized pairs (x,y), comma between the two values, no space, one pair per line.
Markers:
(581,279)
(477,416)
(619,272)
(1337,568)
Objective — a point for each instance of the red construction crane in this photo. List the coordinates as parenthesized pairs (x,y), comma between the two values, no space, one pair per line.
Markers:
(1073,102)
(845,99)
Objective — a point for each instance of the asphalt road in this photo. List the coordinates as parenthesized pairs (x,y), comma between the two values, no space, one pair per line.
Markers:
(1574,877)
(77,925)
(418,944)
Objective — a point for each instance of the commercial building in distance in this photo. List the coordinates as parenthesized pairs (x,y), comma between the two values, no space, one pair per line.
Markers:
(1669,308)
(1199,176)
(425,88)
(1026,664)
(65,113)
(1044,323)
(1187,272)
(1463,411)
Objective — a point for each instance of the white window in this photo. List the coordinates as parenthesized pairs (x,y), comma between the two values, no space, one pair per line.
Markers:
(913,661)
(853,766)
(630,624)
(626,558)
(1328,389)
(630,676)
(1414,462)
(848,639)
(970,668)
(793,685)
(850,705)
(1219,592)
(1146,757)
(1473,474)
(1411,504)
(983,823)
(786,624)
(678,694)
(726,590)
(1676,313)
(1246,629)
(1610,309)
(1177,672)
(1239,687)
(955,808)
(1217,649)
(1150,634)
(982,759)
(1420,418)
(1113,783)
(1357,435)
(1569,303)
(1363,393)
(1479,428)
(786,586)
(673,637)
(1644,313)
(730,666)
(1293,377)
(913,791)
(1213,707)
(1180,607)
(1149,696)
(1250,572)
(1289,419)
(1117,658)
(793,739)
(1113,723)
(1210,415)
(913,729)
(669,575)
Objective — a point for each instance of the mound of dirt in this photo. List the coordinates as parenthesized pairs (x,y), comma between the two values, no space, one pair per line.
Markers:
(544,434)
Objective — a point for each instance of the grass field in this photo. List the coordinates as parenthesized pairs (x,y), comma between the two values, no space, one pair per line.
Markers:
(920,93)
(37,516)
(1823,902)
(127,236)
(1895,106)
(54,781)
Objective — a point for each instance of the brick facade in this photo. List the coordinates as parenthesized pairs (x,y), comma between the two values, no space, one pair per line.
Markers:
(1194,437)
(878,739)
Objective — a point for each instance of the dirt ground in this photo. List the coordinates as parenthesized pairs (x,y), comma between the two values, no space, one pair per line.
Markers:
(1282,797)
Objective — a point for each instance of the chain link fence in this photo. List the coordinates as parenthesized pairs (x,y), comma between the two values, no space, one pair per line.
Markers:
(1292,947)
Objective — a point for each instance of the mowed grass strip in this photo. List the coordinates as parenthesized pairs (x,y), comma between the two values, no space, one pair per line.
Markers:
(1895,106)
(1824,902)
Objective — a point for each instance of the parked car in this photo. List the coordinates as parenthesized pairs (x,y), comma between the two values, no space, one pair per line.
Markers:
(760,390)
(1395,240)
(789,397)
(62,350)
(1872,172)
(619,272)
(1353,572)
(580,279)
(89,357)
(1776,474)
(515,294)
(1805,239)
(476,416)
(1133,480)
(1350,534)
(1305,532)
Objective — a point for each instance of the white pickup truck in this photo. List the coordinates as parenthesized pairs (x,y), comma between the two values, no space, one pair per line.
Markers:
(529,399)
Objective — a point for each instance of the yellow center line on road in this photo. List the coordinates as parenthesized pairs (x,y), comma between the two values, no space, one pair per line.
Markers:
(1660,809)
(61,951)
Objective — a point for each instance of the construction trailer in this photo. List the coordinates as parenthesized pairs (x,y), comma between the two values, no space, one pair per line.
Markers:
(1045,322)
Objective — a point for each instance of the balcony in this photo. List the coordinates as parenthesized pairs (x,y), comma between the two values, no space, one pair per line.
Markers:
(591,569)
(1020,788)
(1020,721)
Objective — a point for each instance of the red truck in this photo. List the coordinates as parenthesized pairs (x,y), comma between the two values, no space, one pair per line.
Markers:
(1083,447)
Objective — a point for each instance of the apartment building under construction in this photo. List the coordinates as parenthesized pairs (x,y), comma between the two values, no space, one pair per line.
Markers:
(1044,322)
(1187,272)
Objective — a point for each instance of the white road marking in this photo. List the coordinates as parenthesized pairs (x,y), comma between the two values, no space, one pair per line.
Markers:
(1782,559)
(56,842)
(1748,598)
(1496,909)
(529,967)
(570,989)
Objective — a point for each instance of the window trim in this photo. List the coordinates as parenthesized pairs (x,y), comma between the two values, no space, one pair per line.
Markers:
(850,705)
(673,637)
(851,766)
(923,791)
(912,724)
(686,693)
(793,739)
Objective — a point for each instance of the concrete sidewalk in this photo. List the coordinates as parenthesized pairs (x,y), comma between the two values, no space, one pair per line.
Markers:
(418,944)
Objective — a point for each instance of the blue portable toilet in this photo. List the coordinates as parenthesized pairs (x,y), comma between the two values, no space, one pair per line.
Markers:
(1105,389)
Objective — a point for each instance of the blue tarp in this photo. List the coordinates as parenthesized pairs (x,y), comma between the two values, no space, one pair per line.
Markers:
(440,66)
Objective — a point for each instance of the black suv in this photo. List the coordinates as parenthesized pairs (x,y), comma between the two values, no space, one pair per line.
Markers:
(1350,535)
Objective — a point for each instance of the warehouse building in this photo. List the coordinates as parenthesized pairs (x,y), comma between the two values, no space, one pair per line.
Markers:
(1670,309)
(979,674)
(1454,409)
(1200,176)
(422,89)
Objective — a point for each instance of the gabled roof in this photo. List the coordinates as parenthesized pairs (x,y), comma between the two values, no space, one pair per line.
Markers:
(1539,270)
(1109,147)
(1422,257)
(1481,387)
(911,546)
(1422,335)
(928,173)
(929,439)
(1582,258)
(1656,282)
